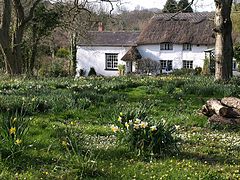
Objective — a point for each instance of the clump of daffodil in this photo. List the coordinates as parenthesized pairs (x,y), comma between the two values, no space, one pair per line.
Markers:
(12,130)
(18,141)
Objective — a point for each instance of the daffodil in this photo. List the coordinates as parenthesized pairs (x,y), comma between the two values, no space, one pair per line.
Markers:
(18,141)
(136,126)
(12,130)
(14,120)
(130,122)
(121,114)
(126,125)
(143,124)
(114,128)
(153,128)
(120,119)
(137,121)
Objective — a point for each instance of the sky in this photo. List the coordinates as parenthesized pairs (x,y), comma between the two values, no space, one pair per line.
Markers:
(198,5)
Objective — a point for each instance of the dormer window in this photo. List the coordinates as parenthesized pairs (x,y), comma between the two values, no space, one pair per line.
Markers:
(166,46)
(187,47)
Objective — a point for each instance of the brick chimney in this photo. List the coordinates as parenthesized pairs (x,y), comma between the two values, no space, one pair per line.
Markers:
(100,27)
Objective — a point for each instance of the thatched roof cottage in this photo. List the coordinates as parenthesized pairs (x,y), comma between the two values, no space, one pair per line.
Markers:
(174,40)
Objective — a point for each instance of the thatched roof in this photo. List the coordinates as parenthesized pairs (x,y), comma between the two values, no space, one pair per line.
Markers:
(194,28)
(132,55)
(105,38)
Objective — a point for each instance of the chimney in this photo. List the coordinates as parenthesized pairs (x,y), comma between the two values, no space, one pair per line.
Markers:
(100,27)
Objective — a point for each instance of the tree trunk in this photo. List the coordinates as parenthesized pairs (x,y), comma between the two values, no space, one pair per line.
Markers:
(223,120)
(223,45)
(74,53)
(215,107)
(232,102)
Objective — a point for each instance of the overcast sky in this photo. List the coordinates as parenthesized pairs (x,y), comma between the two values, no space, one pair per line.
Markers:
(199,5)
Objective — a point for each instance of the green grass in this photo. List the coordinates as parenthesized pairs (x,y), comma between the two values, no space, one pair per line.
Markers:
(80,112)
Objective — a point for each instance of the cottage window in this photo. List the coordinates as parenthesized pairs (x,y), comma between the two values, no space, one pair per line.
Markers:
(111,61)
(166,64)
(166,46)
(187,47)
(187,64)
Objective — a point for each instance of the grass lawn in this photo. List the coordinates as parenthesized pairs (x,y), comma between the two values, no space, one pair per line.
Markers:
(63,128)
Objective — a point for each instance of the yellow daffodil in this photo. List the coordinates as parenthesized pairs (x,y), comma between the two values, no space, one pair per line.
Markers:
(153,128)
(126,125)
(137,121)
(72,123)
(121,114)
(143,125)
(114,128)
(12,130)
(18,141)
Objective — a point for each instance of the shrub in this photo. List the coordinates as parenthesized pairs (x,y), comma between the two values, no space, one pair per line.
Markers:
(143,136)
(92,72)
(206,67)
(63,53)
(183,71)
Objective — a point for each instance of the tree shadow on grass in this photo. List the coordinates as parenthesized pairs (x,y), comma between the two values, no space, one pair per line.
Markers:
(209,159)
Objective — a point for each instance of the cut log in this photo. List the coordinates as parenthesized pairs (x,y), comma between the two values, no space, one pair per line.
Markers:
(215,107)
(206,111)
(223,120)
(232,102)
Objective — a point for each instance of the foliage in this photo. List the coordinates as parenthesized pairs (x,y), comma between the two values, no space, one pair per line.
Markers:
(183,6)
(206,67)
(13,129)
(143,136)
(63,53)
(170,6)
(147,66)
(121,69)
(236,50)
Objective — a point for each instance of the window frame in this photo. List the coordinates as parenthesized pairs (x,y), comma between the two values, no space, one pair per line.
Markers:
(165,62)
(187,47)
(187,64)
(166,46)
(112,61)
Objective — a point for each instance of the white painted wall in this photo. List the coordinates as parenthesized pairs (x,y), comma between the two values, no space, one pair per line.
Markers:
(94,56)
(177,55)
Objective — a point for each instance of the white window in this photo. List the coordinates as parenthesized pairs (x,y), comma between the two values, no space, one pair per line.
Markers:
(166,64)
(187,64)
(187,47)
(111,61)
(166,46)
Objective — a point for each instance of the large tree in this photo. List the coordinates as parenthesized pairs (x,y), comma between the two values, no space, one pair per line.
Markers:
(223,35)
(16,15)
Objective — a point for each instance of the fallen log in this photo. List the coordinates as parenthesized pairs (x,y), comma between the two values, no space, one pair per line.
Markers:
(232,102)
(223,120)
(215,107)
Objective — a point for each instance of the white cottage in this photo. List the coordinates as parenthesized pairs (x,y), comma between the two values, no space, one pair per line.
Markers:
(175,40)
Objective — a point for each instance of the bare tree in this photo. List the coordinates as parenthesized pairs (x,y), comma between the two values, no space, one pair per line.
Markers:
(15,17)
